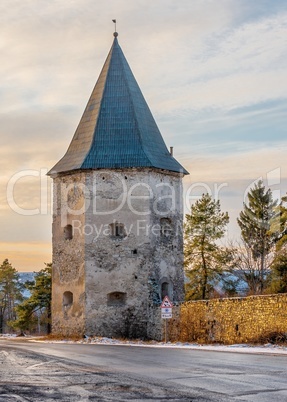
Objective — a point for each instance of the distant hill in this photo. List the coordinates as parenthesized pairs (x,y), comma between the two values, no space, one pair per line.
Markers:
(24,277)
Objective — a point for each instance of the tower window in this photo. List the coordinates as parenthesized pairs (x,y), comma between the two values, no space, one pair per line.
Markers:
(68,299)
(117,230)
(117,299)
(164,290)
(68,232)
(165,227)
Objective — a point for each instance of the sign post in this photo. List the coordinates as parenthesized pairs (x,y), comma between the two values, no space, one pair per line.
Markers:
(166,313)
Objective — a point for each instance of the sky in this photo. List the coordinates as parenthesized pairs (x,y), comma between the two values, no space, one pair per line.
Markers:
(214,73)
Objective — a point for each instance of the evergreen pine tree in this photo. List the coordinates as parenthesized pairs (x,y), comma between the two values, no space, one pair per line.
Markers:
(204,258)
(255,223)
(10,293)
(39,301)
(278,278)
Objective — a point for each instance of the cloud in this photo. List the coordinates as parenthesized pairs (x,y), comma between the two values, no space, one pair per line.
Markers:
(235,67)
(245,165)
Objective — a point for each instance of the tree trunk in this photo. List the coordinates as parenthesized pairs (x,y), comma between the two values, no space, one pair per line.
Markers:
(1,323)
(205,277)
(262,260)
(49,315)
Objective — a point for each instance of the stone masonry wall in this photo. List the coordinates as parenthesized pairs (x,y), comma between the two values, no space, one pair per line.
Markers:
(123,255)
(234,320)
(68,317)
(135,265)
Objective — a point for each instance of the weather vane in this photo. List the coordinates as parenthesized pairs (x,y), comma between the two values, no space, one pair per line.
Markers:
(115,22)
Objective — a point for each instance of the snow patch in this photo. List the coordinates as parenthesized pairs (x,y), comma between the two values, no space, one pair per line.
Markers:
(238,348)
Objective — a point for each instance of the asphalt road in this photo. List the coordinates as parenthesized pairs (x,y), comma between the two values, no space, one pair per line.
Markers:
(141,373)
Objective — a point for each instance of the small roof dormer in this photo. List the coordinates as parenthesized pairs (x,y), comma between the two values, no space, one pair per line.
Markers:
(117,129)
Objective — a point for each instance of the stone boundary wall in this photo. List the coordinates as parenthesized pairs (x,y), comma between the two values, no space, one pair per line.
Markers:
(233,320)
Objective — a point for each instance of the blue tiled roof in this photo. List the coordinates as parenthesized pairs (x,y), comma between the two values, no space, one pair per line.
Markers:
(117,129)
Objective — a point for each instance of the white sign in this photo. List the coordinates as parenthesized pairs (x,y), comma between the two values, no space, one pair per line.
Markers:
(166,315)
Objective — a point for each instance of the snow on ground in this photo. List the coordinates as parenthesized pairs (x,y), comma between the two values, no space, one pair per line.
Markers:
(238,348)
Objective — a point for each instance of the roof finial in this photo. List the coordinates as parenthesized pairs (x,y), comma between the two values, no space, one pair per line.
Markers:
(115,33)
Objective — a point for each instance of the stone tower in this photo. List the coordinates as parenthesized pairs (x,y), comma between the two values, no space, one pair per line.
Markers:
(117,215)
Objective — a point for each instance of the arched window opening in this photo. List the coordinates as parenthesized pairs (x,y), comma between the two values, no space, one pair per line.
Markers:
(165,227)
(118,230)
(164,290)
(67,299)
(68,232)
(117,299)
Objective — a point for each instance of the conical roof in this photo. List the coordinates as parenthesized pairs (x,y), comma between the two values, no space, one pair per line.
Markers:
(117,129)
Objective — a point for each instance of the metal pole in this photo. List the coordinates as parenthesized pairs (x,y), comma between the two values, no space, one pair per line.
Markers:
(165,332)
(39,326)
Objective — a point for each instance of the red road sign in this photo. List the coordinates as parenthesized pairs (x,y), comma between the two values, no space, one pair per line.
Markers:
(166,303)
